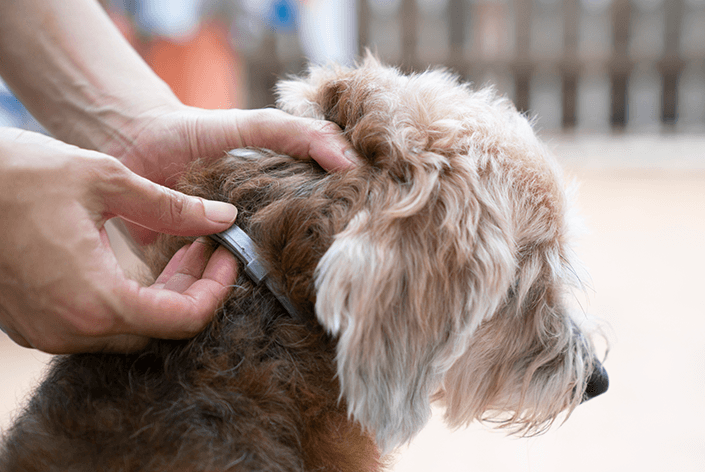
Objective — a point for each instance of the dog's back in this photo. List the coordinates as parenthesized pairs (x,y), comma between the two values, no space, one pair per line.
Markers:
(255,391)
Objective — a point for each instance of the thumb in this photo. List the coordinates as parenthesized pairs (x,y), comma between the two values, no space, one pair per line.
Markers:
(162,209)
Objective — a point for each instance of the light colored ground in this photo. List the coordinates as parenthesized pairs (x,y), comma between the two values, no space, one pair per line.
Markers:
(643,199)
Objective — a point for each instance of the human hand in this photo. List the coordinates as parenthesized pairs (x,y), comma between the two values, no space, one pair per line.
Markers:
(88,87)
(61,288)
(162,142)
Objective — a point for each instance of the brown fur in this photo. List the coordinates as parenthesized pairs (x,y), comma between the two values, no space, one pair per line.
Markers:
(255,391)
(437,270)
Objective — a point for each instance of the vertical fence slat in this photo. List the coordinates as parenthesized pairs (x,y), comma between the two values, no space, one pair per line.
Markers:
(522,66)
(409,34)
(456,15)
(620,66)
(263,69)
(671,65)
(363,28)
(570,66)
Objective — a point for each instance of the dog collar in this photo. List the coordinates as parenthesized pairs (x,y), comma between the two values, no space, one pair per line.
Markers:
(235,240)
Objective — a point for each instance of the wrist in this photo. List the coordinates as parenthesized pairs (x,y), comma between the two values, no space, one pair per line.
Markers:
(76,73)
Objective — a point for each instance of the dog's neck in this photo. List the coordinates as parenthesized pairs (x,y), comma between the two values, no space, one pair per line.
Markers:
(241,245)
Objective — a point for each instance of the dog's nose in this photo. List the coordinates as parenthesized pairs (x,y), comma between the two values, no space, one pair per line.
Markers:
(598,383)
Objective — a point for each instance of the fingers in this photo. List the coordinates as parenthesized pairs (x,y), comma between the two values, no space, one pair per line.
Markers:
(303,138)
(185,268)
(185,296)
(159,208)
(298,137)
(325,146)
(180,303)
(61,287)
(171,268)
(194,283)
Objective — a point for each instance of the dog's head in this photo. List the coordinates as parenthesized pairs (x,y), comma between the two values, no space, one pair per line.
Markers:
(441,264)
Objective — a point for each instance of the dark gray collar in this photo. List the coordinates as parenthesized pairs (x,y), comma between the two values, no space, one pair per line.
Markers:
(241,245)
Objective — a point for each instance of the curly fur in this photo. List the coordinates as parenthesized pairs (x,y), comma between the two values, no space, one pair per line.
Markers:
(435,271)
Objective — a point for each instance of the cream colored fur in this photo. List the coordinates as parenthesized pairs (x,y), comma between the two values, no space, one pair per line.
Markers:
(449,283)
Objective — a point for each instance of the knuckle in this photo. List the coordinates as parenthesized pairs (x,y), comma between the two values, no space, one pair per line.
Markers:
(272,113)
(326,127)
(106,172)
(176,205)
(96,162)
(198,321)
(263,117)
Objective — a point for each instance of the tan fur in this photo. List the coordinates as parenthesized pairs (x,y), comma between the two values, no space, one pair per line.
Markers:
(464,223)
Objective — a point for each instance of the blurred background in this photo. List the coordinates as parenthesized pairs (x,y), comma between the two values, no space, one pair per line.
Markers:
(618,90)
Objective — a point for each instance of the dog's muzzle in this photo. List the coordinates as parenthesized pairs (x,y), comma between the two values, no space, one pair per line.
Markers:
(598,383)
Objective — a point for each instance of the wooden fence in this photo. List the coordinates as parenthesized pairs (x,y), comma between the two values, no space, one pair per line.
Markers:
(576,64)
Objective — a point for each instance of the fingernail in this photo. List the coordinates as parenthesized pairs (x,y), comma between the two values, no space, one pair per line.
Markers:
(220,212)
(352,156)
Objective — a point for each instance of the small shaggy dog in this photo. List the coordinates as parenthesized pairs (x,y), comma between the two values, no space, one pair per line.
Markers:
(436,271)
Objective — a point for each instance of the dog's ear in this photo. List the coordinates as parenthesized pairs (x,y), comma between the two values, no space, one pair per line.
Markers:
(404,286)
(301,96)
(529,362)
(334,93)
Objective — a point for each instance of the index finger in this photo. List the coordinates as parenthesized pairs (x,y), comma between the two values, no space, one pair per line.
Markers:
(164,313)
(303,138)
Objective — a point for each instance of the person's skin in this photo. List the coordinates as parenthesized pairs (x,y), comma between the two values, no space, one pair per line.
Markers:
(61,289)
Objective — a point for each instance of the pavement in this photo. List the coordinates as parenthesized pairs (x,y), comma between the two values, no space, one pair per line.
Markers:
(643,202)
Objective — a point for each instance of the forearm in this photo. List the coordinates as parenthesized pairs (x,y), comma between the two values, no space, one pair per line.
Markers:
(74,71)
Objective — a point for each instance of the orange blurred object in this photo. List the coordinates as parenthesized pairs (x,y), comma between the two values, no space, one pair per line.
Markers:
(202,70)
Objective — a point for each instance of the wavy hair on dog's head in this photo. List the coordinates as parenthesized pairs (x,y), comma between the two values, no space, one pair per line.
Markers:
(447,282)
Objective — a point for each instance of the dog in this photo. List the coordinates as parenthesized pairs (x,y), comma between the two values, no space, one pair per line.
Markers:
(438,270)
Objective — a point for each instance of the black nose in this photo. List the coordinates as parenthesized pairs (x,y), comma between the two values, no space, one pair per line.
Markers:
(598,383)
